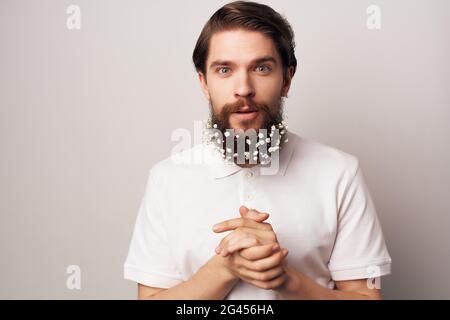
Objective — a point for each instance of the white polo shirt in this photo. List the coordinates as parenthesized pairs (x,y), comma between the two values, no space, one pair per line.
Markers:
(319,205)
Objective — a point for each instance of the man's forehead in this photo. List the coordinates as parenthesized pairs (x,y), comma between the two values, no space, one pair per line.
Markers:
(240,46)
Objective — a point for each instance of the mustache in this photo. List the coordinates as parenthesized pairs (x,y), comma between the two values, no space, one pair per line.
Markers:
(234,107)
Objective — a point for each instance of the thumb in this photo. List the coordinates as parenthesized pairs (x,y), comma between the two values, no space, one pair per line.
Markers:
(253,214)
(243,210)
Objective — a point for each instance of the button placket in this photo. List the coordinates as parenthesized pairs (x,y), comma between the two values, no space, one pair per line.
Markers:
(248,188)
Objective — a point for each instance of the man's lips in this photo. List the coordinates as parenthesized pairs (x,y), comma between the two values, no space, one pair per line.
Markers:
(246,109)
(246,113)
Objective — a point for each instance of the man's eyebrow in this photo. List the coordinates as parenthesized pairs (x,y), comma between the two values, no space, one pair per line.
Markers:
(255,61)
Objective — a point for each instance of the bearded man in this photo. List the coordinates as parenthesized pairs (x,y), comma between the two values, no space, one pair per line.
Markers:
(307,229)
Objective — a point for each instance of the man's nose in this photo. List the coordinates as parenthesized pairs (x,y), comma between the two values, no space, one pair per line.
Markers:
(244,86)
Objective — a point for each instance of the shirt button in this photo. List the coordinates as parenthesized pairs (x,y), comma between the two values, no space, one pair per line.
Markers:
(249,174)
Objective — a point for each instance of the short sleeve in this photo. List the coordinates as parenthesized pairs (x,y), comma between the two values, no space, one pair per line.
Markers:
(359,251)
(149,259)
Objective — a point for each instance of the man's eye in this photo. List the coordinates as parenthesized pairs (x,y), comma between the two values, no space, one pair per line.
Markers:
(223,70)
(263,68)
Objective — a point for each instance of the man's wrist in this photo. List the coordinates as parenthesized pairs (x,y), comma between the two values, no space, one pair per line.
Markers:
(219,268)
(291,286)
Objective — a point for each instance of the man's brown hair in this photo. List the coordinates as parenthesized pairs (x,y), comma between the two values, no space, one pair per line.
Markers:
(250,16)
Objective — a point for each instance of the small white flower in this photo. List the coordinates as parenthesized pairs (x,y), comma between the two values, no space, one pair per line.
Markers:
(255,158)
(215,139)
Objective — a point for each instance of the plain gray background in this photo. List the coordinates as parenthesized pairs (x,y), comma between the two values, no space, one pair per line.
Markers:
(80,110)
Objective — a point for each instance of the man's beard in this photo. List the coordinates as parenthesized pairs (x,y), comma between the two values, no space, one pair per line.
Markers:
(273,119)
(272,116)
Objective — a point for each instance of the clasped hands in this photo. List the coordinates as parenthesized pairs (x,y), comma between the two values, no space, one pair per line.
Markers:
(251,252)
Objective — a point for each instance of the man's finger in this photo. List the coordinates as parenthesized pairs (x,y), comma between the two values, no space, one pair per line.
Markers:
(266,263)
(259,252)
(244,243)
(232,224)
(253,214)
(269,285)
(264,276)
(225,242)
(262,237)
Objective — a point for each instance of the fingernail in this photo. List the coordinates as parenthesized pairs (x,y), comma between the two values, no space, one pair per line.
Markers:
(217,250)
(285,252)
(275,247)
(223,253)
(216,227)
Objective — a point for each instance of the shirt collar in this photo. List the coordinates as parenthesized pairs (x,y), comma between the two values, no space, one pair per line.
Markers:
(219,169)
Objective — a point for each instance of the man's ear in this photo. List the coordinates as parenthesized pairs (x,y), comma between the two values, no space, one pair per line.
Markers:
(287,81)
(204,85)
